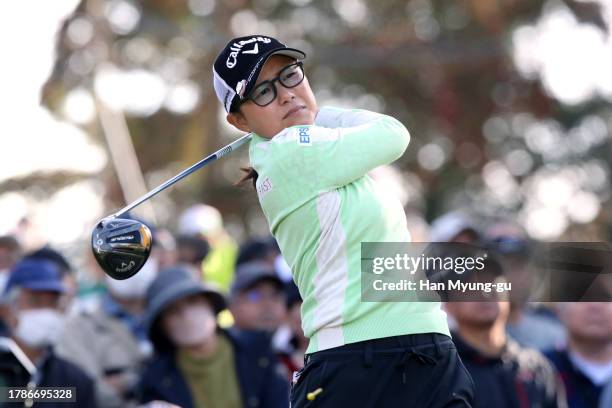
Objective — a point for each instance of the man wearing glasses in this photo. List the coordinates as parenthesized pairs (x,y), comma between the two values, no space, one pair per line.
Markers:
(309,167)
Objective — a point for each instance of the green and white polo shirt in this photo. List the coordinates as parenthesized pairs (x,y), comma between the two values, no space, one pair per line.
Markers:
(320,205)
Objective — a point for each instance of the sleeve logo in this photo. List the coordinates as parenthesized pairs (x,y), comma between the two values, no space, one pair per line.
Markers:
(304,136)
(264,188)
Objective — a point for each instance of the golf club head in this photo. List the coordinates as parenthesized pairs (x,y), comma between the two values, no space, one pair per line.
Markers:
(121,246)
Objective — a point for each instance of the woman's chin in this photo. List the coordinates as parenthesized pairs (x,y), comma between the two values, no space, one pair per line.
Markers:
(301,118)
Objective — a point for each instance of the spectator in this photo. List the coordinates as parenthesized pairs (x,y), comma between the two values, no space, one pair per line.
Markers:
(197,364)
(454,227)
(33,295)
(585,364)
(164,248)
(191,251)
(265,250)
(289,341)
(110,342)
(10,252)
(257,299)
(125,300)
(262,250)
(504,373)
(47,253)
(206,221)
(526,324)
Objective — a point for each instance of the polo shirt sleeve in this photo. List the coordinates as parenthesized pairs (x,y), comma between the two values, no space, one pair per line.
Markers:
(332,117)
(303,161)
(338,156)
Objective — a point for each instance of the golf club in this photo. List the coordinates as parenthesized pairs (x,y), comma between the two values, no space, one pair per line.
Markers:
(122,246)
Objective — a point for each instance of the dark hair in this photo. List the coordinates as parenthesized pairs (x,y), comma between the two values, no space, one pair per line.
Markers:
(235,106)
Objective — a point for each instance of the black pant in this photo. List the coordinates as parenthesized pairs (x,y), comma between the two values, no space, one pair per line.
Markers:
(417,370)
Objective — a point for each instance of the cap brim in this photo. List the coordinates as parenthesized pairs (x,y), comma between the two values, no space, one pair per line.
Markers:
(289,52)
(254,281)
(42,286)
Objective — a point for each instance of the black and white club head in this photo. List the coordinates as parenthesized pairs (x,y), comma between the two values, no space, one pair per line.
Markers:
(121,246)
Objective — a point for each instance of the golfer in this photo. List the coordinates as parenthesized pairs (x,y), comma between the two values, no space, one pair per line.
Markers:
(309,167)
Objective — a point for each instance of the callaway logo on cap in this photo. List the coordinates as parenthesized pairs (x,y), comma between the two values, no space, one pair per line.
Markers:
(238,65)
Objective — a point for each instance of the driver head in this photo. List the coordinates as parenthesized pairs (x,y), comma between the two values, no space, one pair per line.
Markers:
(121,246)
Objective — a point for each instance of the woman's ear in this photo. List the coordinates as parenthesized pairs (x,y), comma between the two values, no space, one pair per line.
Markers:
(238,120)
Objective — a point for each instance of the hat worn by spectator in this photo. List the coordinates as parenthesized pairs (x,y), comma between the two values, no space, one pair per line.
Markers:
(200,219)
(49,254)
(238,65)
(254,250)
(173,284)
(36,275)
(507,239)
(449,226)
(250,274)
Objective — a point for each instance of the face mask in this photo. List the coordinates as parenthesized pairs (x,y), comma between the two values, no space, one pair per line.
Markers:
(196,325)
(39,327)
(136,286)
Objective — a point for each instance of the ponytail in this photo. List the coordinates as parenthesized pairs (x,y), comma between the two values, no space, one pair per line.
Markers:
(249,174)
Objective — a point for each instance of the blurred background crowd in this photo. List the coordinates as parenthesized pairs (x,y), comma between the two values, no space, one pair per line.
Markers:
(508,105)
(209,322)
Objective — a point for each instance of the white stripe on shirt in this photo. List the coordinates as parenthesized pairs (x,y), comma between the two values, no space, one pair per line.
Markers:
(331,279)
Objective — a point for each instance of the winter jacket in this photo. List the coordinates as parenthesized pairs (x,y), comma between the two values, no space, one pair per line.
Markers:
(261,383)
(52,371)
(518,378)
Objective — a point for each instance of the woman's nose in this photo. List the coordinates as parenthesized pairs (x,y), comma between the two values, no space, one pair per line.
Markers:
(285,94)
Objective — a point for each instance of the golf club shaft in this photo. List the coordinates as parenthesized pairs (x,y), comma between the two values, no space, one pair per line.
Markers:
(219,153)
